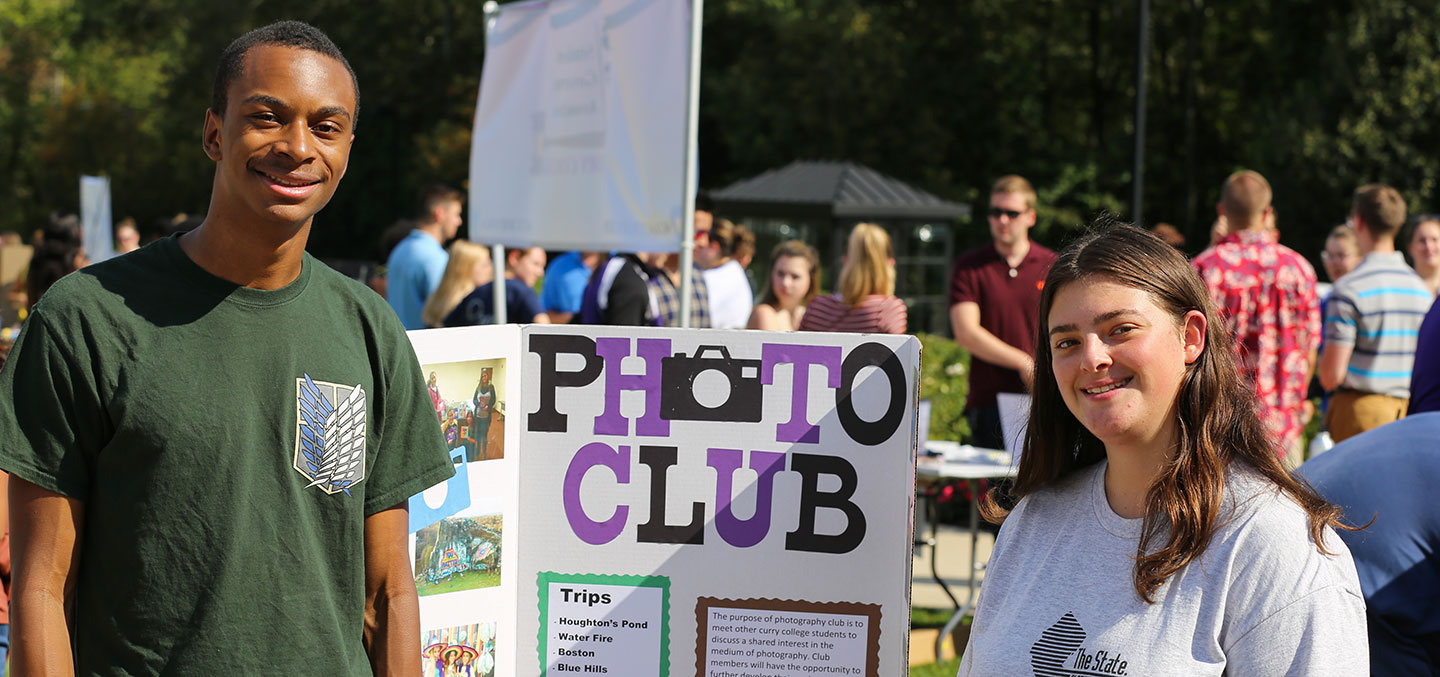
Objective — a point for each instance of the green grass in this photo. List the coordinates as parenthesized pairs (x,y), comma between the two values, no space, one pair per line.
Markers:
(945,669)
(934,618)
(929,618)
(465,580)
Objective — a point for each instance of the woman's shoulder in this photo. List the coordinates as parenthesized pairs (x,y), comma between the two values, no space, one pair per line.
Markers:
(1265,536)
(1060,497)
(764,316)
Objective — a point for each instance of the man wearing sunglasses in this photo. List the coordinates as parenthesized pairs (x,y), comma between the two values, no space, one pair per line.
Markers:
(994,299)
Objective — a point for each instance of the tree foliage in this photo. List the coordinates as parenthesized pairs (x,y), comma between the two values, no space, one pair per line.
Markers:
(1318,95)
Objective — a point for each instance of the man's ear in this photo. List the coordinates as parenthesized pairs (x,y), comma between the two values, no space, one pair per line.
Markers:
(210,135)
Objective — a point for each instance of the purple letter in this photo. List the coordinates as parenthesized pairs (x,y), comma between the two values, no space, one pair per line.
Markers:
(612,422)
(798,428)
(589,456)
(737,532)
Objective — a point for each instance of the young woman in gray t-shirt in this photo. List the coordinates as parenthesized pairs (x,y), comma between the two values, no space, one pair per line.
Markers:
(1156,532)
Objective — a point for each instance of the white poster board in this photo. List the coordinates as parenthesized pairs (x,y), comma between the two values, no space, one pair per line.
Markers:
(580,126)
(679,502)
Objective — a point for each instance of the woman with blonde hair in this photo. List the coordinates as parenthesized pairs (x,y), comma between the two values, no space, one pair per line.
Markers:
(866,302)
(794,281)
(469,268)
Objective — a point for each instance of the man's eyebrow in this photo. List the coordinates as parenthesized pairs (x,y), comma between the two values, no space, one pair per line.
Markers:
(265,100)
(336,111)
(327,111)
(1102,317)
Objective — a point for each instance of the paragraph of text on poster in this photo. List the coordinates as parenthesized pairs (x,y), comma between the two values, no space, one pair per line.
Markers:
(594,628)
(769,643)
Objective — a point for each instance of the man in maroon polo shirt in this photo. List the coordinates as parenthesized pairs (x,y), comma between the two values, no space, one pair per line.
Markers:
(994,299)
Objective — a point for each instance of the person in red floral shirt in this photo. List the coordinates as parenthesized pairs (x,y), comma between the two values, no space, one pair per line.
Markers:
(1266,292)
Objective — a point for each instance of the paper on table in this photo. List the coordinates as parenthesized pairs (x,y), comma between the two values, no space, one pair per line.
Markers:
(1014,416)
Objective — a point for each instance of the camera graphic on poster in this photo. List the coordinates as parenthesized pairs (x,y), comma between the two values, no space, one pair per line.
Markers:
(678,375)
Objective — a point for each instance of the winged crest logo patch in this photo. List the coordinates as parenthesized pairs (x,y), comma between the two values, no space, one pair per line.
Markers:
(329,434)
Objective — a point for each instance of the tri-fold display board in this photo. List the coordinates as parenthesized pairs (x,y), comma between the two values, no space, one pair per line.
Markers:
(634,502)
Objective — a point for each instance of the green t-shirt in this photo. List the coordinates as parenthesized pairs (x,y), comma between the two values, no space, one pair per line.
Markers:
(227,444)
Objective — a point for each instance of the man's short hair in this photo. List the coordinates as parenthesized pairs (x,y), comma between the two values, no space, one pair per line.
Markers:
(1014,183)
(1381,208)
(1342,232)
(1245,195)
(433,196)
(704,203)
(282,33)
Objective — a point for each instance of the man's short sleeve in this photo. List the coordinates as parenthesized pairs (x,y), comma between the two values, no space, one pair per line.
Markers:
(1342,319)
(52,423)
(412,455)
(564,288)
(963,284)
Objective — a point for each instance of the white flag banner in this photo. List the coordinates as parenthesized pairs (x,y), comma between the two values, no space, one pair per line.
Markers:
(580,126)
(96,226)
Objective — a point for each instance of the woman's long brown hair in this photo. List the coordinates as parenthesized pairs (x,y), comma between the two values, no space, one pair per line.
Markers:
(1218,421)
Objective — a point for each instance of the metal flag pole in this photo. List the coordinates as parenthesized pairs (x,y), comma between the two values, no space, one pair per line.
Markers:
(497,252)
(1142,52)
(687,204)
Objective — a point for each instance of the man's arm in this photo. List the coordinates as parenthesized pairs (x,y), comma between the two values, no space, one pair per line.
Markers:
(392,607)
(965,321)
(45,555)
(1334,360)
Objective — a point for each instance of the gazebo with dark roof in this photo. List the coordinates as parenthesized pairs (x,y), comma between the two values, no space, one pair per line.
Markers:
(819,202)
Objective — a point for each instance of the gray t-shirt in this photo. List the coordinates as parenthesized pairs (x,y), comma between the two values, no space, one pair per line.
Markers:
(1058,597)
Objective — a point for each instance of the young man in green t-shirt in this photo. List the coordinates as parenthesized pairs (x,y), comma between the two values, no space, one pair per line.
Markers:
(212,439)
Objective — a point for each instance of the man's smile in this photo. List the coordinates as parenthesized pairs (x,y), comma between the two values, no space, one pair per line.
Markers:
(294,186)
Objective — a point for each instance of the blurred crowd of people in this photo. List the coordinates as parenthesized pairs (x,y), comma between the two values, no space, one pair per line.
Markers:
(429,285)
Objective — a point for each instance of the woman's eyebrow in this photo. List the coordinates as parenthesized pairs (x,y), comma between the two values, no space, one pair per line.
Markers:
(1102,317)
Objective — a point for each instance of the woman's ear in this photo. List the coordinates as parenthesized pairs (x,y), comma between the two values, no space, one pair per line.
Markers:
(1192,335)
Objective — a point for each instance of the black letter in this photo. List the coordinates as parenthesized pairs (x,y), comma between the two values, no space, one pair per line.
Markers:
(656,531)
(860,430)
(810,466)
(547,419)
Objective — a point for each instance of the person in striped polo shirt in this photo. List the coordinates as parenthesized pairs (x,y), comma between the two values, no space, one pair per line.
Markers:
(1372,322)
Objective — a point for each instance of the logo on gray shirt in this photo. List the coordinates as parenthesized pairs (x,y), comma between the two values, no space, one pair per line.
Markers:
(1058,653)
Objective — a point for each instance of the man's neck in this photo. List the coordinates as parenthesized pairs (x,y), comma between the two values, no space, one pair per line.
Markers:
(433,230)
(1384,245)
(1237,226)
(1013,253)
(259,256)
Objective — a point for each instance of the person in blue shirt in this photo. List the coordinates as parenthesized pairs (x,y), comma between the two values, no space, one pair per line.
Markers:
(1425,376)
(1389,474)
(418,262)
(565,282)
(523,268)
